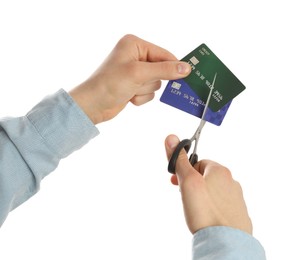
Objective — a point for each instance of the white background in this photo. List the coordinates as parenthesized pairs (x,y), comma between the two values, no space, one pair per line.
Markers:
(113,199)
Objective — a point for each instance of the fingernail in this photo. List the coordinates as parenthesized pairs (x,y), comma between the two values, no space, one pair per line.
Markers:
(183,68)
(172,141)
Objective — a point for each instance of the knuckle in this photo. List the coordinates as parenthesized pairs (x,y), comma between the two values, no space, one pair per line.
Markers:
(127,38)
(220,169)
(133,71)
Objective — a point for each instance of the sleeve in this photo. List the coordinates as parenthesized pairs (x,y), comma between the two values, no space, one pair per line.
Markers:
(32,146)
(226,243)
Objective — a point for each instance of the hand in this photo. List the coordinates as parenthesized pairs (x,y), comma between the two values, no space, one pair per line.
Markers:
(132,72)
(210,196)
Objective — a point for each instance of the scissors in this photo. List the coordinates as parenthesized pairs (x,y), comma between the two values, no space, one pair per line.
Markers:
(186,143)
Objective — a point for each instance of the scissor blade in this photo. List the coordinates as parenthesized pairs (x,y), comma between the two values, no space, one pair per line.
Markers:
(203,121)
(208,99)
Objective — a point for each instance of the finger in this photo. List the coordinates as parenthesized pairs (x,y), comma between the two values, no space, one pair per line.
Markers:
(183,166)
(142,99)
(149,87)
(174,179)
(152,61)
(165,70)
(203,165)
(171,143)
(207,167)
(142,72)
(146,93)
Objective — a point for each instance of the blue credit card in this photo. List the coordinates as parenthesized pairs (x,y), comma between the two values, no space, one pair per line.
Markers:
(179,95)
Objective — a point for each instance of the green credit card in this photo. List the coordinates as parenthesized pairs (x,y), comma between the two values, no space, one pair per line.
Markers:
(204,65)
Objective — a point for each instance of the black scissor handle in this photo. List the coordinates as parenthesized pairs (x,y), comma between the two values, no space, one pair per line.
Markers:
(186,144)
(193,159)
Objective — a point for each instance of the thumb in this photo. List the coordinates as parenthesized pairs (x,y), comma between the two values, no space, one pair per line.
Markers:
(183,166)
(163,70)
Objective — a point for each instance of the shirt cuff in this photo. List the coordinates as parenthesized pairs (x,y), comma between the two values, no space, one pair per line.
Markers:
(62,124)
(225,243)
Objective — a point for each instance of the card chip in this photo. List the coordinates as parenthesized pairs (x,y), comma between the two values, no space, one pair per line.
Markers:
(194,60)
(176,85)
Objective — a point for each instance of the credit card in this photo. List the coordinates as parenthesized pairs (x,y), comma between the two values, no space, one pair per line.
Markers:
(190,94)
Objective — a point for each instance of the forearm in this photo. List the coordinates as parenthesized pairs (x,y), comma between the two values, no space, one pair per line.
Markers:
(32,146)
(226,243)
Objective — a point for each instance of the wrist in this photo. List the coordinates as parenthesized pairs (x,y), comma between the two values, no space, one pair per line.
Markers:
(86,100)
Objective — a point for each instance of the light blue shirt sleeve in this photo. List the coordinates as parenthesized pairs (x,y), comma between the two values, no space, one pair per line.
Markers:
(226,243)
(31,146)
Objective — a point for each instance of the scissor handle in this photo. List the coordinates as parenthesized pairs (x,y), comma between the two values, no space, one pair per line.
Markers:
(193,159)
(186,144)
